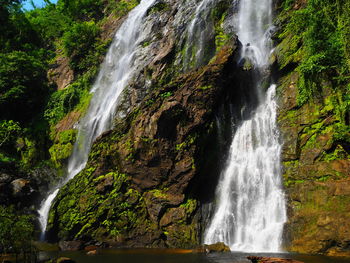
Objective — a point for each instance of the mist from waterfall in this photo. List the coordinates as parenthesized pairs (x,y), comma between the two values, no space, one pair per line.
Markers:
(250,205)
(115,74)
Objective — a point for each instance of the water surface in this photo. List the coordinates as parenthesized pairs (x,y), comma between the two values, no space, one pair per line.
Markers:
(178,256)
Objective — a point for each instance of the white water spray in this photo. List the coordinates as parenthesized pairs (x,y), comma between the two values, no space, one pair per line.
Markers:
(116,71)
(251,209)
(254,28)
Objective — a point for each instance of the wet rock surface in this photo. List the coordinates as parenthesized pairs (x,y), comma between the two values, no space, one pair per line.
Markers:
(140,186)
(92,253)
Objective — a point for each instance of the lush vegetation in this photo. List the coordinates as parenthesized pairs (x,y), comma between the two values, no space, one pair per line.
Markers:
(314,40)
(32,45)
(31,42)
(316,45)
(317,40)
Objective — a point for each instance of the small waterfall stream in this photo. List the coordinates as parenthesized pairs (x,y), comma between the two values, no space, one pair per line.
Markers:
(199,32)
(116,71)
(250,210)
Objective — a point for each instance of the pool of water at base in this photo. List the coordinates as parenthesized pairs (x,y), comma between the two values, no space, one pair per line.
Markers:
(178,256)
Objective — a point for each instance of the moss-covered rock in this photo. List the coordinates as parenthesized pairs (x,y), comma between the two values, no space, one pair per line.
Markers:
(315,157)
(315,151)
(134,190)
(63,146)
(319,222)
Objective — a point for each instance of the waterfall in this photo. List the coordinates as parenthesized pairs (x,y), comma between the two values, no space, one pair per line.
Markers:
(116,71)
(199,33)
(250,210)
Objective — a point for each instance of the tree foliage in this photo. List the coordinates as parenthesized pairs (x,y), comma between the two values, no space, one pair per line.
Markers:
(83,10)
(78,41)
(49,24)
(16,33)
(22,85)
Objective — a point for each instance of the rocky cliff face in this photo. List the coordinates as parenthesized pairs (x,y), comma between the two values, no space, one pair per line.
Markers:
(148,178)
(139,186)
(143,182)
(315,156)
(316,174)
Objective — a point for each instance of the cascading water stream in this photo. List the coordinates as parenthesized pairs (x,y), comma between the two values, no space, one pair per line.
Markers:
(115,73)
(198,35)
(251,210)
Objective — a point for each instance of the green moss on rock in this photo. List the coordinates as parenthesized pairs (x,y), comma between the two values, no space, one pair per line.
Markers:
(313,127)
(63,146)
(138,174)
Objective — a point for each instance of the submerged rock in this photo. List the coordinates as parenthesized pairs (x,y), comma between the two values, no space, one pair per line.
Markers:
(90,248)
